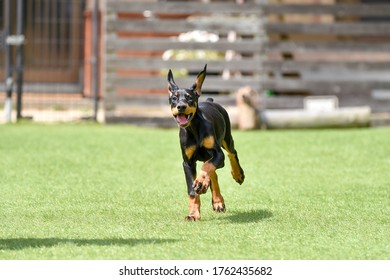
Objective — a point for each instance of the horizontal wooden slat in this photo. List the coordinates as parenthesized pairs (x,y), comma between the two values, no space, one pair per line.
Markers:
(356,28)
(341,75)
(294,65)
(337,77)
(248,8)
(267,102)
(115,43)
(281,102)
(183,7)
(330,46)
(113,62)
(243,26)
(324,87)
(373,10)
(155,101)
(211,83)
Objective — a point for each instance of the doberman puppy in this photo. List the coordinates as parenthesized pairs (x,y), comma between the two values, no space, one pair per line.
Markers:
(204,129)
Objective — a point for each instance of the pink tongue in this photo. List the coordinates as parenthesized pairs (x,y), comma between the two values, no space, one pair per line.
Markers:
(182,119)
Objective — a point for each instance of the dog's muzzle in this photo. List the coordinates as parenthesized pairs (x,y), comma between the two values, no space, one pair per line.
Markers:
(183,119)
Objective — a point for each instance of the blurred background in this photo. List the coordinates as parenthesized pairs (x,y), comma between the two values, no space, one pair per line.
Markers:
(272,64)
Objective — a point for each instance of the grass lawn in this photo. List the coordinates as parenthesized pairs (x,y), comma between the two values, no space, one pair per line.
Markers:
(118,192)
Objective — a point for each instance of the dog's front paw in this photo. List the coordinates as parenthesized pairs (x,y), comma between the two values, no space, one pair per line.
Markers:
(201,183)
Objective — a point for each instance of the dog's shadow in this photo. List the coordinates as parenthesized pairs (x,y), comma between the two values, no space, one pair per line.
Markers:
(252,216)
(22,243)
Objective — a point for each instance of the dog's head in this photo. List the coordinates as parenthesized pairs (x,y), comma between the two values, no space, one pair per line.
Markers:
(184,102)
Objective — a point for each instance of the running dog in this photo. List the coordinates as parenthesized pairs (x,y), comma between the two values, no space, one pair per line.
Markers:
(204,130)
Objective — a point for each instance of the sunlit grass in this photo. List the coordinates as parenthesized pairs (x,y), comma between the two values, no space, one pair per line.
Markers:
(118,192)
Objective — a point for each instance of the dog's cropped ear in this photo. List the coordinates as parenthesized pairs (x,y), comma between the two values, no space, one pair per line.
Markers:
(197,87)
(171,83)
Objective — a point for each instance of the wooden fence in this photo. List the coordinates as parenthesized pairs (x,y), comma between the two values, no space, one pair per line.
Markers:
(143,42)
(339,49)
(289,50)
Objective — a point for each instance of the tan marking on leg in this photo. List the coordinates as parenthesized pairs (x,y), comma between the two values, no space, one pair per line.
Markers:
(224,145)
(189,151)
(208,167)
(202,182)
(194,208)
(236,170)
(208,142)
(217,199)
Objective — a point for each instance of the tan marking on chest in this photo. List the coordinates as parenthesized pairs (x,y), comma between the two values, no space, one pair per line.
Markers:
(189,151)
(208,142)
(208,167)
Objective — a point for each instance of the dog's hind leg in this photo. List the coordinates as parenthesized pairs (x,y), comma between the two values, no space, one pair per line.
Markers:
(217,199)
(237,172)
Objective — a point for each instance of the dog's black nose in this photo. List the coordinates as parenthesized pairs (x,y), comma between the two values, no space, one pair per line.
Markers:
(181,107)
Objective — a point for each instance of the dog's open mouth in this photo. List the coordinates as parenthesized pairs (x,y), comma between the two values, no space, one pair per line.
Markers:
(183,119)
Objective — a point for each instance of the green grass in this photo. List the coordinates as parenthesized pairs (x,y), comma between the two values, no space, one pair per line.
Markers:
(118,192)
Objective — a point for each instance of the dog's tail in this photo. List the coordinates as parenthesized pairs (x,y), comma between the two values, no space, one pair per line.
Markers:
(210,99)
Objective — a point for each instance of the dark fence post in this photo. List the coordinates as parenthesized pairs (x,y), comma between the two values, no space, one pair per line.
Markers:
(8,70)
(19,59)
(95,55)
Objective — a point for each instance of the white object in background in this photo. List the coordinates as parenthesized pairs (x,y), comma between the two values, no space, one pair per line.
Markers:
(8,109)
(321,103)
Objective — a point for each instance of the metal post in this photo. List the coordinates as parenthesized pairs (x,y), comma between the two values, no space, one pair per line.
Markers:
(19,60)
(8,69)
(95,55)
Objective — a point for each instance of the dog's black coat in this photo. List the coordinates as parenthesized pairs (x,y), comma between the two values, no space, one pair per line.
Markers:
(204,130)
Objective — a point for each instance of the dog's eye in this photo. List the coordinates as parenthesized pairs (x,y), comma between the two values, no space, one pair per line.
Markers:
(174,98)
